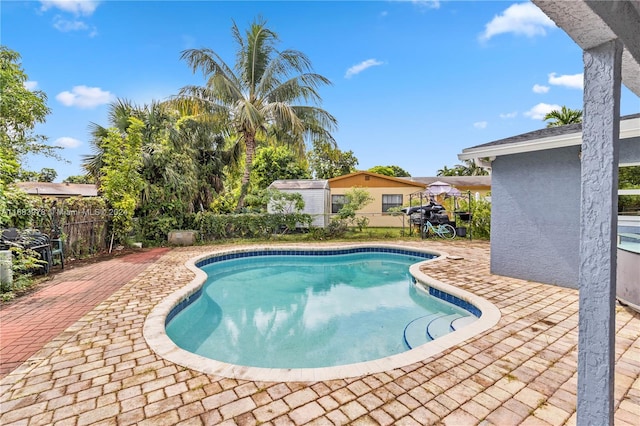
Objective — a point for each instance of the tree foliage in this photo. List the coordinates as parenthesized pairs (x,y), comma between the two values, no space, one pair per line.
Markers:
(20,110)
(83,179)
(328,161)
(563,116)
(121,181)
(266,90)
(469,168)
(356,199)
(46,174)
(273,163)
(393,171)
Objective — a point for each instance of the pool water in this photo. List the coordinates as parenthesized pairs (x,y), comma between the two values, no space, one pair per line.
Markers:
(310,311)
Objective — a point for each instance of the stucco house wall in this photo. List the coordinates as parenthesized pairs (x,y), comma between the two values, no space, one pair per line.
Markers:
(535,212)
(535,226)
(377,185)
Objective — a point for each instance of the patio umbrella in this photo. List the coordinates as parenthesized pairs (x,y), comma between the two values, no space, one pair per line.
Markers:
(438,187)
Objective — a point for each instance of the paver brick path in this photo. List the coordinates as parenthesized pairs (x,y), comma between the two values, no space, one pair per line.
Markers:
(100,370)
(25,326)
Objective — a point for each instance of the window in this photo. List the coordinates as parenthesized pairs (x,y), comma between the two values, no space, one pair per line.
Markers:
(389,201)
(337,201)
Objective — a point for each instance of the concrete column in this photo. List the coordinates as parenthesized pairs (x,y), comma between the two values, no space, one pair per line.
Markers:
(598,223)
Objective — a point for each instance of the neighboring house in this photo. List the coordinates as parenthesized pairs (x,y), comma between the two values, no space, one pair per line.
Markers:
(535,203)
(479,186)
(59,190)
(315,194)
(387,192)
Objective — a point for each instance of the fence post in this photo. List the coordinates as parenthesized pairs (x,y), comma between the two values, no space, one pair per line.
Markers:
(6,271)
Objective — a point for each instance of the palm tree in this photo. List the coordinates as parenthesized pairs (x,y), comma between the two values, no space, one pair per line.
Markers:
(260,93)
(563,116)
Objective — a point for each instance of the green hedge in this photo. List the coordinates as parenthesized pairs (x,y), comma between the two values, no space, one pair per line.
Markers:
(247,225)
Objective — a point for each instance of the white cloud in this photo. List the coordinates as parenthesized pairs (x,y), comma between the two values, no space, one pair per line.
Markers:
(539,111)
(509,114)
(480,124)
(68,142)
(30,85)
(357,69)
(77,7)
(538,88)
(84,97)
(65,25)
(573,81)
(520,19)
(429,4)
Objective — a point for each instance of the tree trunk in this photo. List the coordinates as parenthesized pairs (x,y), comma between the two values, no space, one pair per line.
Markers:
(250,148)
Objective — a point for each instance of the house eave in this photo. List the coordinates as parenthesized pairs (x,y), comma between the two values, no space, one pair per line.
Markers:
(628,129)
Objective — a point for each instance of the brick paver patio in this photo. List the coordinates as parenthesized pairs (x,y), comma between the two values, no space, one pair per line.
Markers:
(31,322)
(100,370)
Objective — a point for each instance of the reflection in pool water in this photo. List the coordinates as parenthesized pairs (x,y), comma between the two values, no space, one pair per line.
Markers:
(307,311)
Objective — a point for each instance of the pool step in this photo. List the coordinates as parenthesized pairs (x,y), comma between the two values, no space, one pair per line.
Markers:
(458,323)
(440,326)
(415,332)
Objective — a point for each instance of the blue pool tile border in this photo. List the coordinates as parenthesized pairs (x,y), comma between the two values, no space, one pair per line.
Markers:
(253,253)
(238,255)
(443,295)
(183,304)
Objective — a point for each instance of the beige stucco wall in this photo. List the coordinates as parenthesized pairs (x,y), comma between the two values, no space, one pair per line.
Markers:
(374,210)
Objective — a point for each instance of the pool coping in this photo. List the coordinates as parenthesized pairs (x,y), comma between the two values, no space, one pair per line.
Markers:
(155,334)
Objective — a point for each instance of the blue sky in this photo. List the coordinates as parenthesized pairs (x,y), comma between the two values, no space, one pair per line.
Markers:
(414,82)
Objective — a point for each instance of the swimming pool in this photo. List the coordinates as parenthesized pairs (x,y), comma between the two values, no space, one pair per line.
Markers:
(166,311)
(309,310)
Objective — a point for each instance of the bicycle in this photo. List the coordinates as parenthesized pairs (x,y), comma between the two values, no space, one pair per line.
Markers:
(445,231)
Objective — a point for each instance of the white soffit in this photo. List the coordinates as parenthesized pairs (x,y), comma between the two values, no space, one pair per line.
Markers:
(628,129)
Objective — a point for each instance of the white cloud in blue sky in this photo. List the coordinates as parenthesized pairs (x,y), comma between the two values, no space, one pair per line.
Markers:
(77,7)
(430,4)
(573,81)
(30,85)
(67,142)
(480,124)
(509,114)
(65,25)
(520,19)
(84,97)
(540,110)
(539,88)
(358,68)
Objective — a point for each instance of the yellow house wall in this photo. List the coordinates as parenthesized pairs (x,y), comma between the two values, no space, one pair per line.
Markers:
(374,209)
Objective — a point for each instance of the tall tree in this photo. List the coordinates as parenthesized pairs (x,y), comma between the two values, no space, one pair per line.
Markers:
(20,110)
(563,116)
(261,91)
(121,181)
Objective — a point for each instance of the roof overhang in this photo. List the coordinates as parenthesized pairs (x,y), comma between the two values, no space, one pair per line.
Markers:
(628,129)
(591,23)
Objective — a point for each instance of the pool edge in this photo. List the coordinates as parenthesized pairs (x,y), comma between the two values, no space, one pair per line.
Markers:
(159,342)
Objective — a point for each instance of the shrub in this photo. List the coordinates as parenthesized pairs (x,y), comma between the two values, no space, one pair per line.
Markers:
(480,218)
(248,225)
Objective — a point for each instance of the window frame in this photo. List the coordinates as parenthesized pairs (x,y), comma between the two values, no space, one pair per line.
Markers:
(388,205)
(333,203)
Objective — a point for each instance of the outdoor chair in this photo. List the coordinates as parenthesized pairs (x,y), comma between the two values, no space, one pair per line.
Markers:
(56,250)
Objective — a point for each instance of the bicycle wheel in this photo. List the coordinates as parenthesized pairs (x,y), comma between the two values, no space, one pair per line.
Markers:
(447,231)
